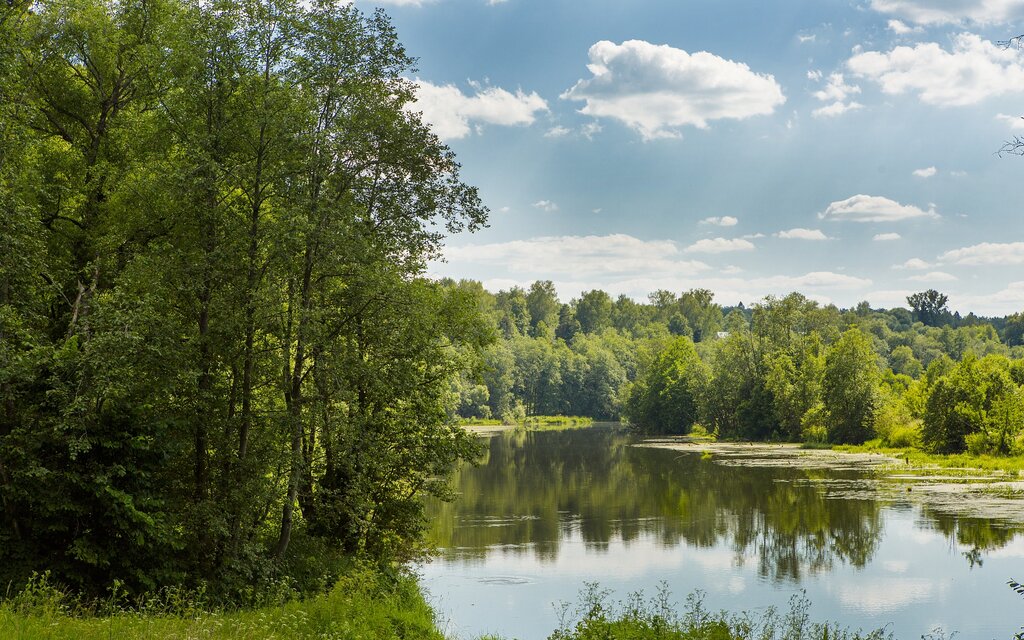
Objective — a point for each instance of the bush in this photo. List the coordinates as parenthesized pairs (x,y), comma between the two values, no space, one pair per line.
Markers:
(905,436)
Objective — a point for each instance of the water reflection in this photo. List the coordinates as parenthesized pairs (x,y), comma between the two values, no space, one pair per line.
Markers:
(533,490)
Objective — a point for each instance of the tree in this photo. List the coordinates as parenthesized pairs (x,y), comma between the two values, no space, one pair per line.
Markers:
(849,388)
(594,311)
(929,307)
(701,313)
(665,401)
(542,304)
(214,332)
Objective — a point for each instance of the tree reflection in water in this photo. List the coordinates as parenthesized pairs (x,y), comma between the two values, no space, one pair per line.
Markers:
(532,489)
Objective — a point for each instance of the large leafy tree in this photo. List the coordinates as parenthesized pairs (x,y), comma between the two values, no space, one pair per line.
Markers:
(849,388)
(215,334)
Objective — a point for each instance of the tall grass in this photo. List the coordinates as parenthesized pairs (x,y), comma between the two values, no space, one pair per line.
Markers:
(597,618)
(363,605)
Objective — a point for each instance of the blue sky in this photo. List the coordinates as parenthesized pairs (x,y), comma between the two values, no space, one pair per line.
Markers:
(846,150)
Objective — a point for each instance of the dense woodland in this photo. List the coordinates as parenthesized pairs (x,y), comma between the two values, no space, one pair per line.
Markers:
(782,369)
(219,363)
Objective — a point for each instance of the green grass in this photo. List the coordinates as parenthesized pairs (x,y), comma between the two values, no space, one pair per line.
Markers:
(534,423)
(363,605)
(935,462)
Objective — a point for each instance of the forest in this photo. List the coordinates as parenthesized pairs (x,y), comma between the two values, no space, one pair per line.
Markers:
(782,369)
(220,364)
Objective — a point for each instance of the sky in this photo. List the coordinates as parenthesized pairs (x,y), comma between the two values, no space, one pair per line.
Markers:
(844,149)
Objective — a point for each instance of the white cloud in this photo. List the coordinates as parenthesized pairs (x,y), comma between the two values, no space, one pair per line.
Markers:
(863,208)
(1015,122)
(836,89)
(656,89)
(453,115)
(721,221)
(557,132)
(927,172)
(802,234)
(837,93)
(901,29)
(591,129)
(403,3)
(975,69)
(806,38)
(930,12)
(934,276)
(836,109)
(814,74)
(988,253)
(813,280)
(581,256)
(545,205)
(1008,300)
(913,263)
(719,245)
(885,237)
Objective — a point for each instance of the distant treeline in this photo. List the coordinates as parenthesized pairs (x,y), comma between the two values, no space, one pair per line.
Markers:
(781,369)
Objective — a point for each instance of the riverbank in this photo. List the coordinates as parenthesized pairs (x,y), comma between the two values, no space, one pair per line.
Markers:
(533,423)
(363,604)
(366,606)
(962,485)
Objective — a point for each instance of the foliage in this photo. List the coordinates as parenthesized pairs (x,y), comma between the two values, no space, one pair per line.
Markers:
(656,619)
(217,347)
(665,401)
(363,604)
(849,388)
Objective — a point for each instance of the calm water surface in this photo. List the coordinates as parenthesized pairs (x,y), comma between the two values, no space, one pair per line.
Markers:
(546,512)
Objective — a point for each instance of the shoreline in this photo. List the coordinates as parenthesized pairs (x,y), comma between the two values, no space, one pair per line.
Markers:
(962,492)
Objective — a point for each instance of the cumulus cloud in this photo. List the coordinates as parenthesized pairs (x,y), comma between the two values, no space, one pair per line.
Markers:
(927,172)
(913,263)
(453,114)
(1015,122)
(988,253)
(581,256)
(656,89)
(836,109)
(721,221)
(836,92)
(934,276)
(1009,299)
(930,12)
(885,237)
(973,70)
(802,234)
(545,205)
(863,208)
(557,132)
(719,245)
(901,29)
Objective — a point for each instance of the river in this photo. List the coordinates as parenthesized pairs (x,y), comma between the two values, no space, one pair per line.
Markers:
(545,513)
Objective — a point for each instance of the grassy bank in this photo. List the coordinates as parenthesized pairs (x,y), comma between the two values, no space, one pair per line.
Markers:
(532,423)
(367,606)
(923,461)
(363,605)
